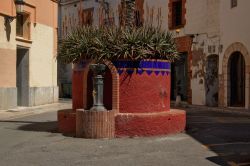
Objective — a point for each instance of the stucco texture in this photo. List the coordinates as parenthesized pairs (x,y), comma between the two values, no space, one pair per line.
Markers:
(144,93)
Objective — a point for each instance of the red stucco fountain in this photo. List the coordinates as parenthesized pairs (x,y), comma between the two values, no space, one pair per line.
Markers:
(121,82)
(137,93)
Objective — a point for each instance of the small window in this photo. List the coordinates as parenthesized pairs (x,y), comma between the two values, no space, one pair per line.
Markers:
(87,16)
(234,3)
(177,13)
(23,25)
(19,25)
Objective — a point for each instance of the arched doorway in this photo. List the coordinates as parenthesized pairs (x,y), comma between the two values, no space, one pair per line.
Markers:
(107,94)
(179,77)
(212,81)
(236,74)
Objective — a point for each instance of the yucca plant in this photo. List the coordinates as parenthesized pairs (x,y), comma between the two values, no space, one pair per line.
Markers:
(117,43)
(111,43)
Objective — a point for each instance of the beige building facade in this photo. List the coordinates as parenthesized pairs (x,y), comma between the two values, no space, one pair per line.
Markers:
(28,48)
(211,36)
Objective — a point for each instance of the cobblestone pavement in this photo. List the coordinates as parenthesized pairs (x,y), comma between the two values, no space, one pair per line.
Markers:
(212,138)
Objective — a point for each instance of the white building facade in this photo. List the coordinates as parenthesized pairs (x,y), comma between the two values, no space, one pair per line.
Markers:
(211,36)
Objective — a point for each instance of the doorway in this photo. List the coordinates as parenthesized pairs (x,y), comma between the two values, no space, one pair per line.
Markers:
(179,77)
(212,81)
(237,80)
(22,76)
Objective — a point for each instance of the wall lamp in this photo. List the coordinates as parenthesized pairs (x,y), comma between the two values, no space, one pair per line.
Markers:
(19,9)
(19,6)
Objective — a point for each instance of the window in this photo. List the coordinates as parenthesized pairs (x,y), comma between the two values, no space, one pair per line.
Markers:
(234,3)
(87,16)
(19,25)
(23,25)
(177,13)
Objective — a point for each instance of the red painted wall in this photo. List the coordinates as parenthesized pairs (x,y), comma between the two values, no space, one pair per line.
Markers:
(150,124)
(144,93)
(144,103)
(138,93)
(66,121)
(77,89)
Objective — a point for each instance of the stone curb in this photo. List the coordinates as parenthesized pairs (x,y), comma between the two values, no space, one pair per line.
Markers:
(226,110)
(238,111)
(27,111)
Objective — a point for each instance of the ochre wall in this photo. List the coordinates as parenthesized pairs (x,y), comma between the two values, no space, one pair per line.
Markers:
(42,11)
(7,7)
(45,11)
(7,68)
(7,51)
(42,58)
(42,43)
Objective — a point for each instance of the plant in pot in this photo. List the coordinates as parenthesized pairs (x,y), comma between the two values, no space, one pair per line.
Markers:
(114,44)
(117,45)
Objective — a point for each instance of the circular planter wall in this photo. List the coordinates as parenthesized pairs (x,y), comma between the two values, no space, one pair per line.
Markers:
(140,94)
(144,86)
(144,100)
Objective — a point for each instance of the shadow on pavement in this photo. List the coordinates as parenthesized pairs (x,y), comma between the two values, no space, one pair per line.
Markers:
(226,134)
(49,126)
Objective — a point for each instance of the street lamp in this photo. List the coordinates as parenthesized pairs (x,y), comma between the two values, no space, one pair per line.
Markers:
(19,5)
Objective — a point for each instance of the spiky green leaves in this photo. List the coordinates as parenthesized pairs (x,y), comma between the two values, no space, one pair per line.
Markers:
(113,43)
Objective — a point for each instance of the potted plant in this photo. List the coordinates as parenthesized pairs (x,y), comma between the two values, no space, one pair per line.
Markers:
(114,44)
(118,45)
(130,49)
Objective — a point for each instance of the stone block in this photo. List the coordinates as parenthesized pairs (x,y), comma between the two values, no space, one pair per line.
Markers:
(8,98)
(79,123)
(150,124)
(42,95)
(66,121)
(95,124)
